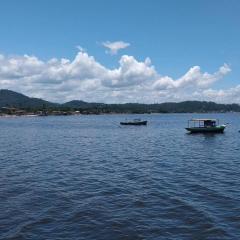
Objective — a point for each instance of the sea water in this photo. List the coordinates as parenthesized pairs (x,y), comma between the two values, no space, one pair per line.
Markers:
(87,177)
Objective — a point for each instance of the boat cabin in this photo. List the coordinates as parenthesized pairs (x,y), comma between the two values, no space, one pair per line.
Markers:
(203,123)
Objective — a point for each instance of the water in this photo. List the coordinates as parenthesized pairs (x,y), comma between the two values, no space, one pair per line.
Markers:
(85,177)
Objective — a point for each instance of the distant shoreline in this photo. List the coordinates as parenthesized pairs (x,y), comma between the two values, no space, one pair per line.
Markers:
(52,115)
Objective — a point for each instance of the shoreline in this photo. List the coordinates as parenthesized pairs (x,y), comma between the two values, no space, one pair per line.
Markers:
(94,114)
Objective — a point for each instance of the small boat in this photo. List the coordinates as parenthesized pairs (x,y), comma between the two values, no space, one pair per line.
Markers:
(205,126)
(136,122)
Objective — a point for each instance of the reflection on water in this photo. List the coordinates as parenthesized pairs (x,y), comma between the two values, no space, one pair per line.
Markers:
(86,177)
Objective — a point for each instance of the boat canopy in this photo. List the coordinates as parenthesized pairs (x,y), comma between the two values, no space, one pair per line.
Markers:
(204,120)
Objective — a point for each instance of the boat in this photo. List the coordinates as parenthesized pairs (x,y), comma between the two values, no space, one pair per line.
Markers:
(136,122)
(205,126)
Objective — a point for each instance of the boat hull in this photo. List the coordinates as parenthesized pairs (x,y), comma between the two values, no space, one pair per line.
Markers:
(217,129)
(134,123)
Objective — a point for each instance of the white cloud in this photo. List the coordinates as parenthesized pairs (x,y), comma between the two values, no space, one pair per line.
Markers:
(85,78)
(114,47)
(130,73)
(194,77)
(231,95)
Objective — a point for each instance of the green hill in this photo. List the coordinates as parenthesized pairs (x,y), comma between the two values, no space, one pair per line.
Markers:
(13,99)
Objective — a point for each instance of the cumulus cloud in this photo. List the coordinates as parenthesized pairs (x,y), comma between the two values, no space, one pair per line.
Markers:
(114,47)
(194,77)
(130,73)
(231,95)
(85,78)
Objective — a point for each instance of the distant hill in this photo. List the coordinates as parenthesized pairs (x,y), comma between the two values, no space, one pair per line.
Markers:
(198,106)
(170,107)
(82,104)
(13,99)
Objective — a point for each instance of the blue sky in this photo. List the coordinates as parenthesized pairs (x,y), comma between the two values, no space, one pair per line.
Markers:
(175,35)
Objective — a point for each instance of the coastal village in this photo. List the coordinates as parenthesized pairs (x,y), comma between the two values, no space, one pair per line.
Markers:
(11,111)
(17,112)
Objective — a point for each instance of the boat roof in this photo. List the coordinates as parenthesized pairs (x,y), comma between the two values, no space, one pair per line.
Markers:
(203,119)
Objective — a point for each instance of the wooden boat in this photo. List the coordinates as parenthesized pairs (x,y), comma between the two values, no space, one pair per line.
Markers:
(205,126)
(136,122)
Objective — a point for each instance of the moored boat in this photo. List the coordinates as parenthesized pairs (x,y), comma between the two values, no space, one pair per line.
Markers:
(136,122)
(205,126)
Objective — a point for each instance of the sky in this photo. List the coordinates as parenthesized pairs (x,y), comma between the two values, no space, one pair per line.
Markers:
(146,51)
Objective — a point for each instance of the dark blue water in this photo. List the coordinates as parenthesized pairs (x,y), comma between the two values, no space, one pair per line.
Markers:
(85,177)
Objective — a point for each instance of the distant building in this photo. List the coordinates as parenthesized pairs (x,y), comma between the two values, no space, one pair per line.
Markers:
(12,111)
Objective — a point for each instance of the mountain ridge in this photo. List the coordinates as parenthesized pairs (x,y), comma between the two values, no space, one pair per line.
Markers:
(9,98)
